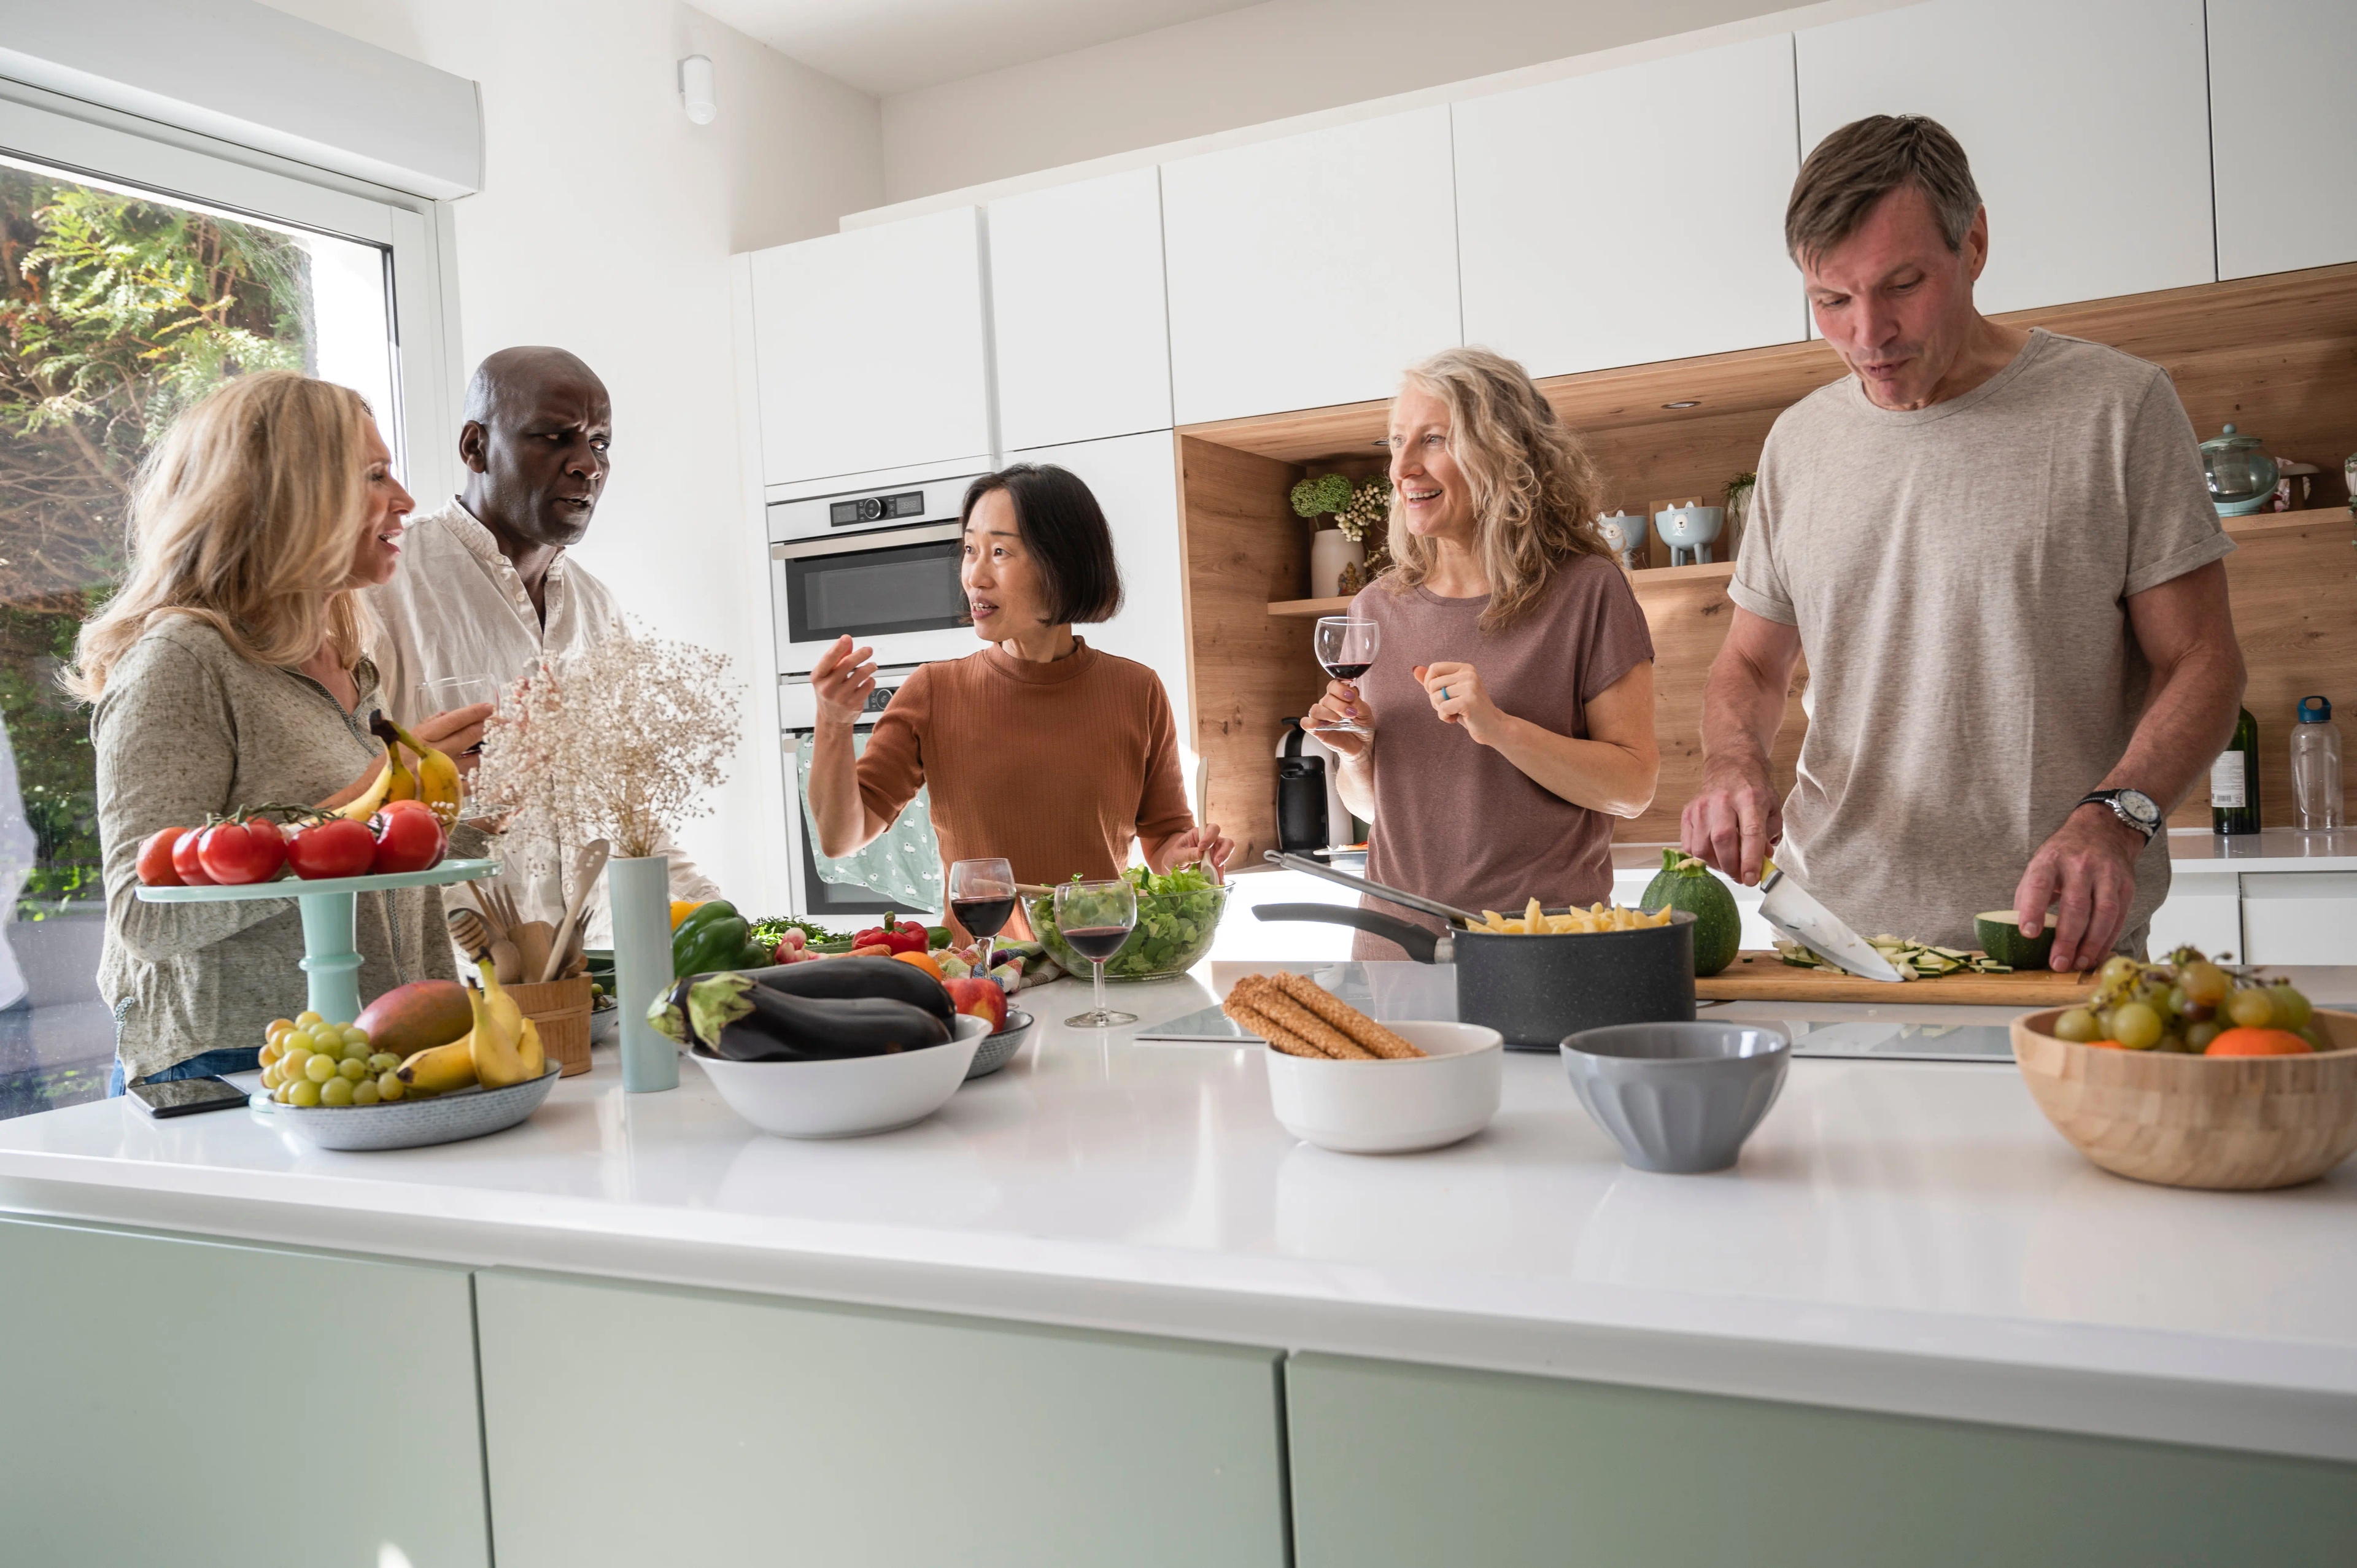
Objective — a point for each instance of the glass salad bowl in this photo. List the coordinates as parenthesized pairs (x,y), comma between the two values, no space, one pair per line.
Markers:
(1178,917)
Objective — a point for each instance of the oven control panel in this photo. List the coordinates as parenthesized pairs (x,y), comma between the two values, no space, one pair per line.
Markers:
(905,505)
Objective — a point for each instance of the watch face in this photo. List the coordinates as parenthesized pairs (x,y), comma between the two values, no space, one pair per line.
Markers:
(2139,806)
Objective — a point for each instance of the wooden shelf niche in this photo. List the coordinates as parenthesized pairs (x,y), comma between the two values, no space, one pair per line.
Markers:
(2275,355)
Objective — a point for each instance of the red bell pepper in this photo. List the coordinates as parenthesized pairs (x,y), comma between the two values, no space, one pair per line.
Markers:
(898,936)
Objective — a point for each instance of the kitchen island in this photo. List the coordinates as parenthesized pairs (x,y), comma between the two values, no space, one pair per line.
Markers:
(1102,1309)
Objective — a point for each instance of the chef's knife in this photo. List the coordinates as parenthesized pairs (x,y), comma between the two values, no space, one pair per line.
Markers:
(1799,917)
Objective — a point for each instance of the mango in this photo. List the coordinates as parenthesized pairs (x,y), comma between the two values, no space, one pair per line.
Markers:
(417,1016)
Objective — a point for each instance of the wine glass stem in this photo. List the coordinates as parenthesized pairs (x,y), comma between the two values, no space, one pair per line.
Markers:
(1099,964)
(981,969)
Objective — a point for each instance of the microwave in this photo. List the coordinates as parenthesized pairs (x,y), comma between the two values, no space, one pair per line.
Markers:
(877,564)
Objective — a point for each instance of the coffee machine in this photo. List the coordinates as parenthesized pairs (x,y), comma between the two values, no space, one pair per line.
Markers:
(1310,815)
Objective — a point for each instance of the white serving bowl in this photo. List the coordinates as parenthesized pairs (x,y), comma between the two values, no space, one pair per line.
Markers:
(1392,1107)
(848,1097)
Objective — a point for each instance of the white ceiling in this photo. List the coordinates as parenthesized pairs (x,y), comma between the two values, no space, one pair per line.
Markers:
(885,46)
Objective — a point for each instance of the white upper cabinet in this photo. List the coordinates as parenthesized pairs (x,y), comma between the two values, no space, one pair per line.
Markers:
(1135,480)
(870,350)
(1081,338)
(1310,270)
(2284,136)
(1632,215)
(2086,123)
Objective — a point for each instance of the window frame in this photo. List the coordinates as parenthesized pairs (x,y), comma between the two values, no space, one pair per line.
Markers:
(107,145)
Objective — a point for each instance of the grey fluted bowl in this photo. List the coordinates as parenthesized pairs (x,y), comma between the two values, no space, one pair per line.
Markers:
(1679,1098)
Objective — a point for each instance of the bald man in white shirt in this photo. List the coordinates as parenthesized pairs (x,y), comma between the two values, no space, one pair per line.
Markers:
(485,586)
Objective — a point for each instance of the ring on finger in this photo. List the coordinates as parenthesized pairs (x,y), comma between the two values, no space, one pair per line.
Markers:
(1444,693)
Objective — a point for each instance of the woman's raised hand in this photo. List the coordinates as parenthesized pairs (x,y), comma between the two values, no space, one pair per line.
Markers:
(1341,702)
(456,731)
(842,679)
(1459,697)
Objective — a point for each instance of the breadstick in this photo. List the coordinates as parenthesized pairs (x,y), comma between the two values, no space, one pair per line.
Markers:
(1382,1042)
(1251,1018)
(1286,1013)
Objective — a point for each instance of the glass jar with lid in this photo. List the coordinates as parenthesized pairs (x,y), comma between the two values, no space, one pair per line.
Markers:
(2242,476)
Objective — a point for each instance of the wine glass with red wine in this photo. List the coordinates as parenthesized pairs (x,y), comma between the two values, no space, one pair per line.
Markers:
(982,897)
(1345,647)
(1096,917)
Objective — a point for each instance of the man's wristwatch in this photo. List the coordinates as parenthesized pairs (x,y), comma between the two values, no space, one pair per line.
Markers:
(2134,807)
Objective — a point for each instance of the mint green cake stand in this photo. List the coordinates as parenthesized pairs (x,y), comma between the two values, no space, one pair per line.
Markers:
(329,963)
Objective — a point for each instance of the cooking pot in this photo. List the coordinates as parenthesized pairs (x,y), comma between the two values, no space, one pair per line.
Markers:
(1534,990)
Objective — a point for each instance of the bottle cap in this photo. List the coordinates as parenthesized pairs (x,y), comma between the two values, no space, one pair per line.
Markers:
(2314,710)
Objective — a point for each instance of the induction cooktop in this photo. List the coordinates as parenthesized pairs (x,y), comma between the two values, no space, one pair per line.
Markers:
(1397,991)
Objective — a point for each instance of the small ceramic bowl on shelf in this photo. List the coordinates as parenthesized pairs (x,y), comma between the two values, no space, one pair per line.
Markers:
(2223,1123)
(847,1097)
(1392,1107)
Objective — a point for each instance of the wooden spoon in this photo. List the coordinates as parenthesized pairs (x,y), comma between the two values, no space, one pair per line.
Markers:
(588,866)
(535,942)
(506,962)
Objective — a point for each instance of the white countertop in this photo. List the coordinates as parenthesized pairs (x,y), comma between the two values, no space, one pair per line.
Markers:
(1900,1236)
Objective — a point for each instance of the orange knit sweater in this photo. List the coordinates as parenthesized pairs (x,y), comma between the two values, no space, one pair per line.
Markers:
(1055,767)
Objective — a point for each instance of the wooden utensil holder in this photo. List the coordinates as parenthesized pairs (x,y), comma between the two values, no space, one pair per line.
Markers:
(561,1009)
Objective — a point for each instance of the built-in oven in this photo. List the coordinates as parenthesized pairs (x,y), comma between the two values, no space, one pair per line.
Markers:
(878,564)
(814,897)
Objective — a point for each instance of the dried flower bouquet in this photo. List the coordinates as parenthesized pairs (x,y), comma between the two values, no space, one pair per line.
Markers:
(624,741)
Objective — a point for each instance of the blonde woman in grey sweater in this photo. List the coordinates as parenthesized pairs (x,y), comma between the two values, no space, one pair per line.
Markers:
(232,670)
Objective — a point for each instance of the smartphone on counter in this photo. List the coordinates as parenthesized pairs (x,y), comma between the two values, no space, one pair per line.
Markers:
(186,1096)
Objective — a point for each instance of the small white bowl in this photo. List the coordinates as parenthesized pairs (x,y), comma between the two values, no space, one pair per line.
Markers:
(849,1097)
(1392,1107)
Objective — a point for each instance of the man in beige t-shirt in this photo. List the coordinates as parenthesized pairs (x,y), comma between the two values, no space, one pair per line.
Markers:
(1998,552)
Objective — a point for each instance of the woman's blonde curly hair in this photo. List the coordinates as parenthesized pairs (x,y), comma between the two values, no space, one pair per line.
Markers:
(1535,489)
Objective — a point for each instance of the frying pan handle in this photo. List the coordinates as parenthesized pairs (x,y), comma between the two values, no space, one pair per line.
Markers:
(1421,944)
(1375,890)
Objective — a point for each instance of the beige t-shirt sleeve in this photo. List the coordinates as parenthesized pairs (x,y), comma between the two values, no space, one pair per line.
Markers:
(2173,528)
(1758,586)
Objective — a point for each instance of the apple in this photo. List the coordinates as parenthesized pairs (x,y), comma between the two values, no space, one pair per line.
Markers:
(983,998)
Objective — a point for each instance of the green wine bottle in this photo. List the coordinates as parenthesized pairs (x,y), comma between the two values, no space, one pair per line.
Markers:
(2234,780)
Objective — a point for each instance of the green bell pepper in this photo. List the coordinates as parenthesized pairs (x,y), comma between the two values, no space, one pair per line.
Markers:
(715,937)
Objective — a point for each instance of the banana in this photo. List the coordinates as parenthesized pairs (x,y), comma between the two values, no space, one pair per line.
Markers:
(535,1059)
(500,1033)
(438,776)
(403,782)
(362,810)
(441,1068)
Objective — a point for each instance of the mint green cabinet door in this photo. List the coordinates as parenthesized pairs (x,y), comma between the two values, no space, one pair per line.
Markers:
(636,1425)
(1401,1465)
(166,1400)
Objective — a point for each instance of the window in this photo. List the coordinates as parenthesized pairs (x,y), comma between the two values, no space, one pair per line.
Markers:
(136,271)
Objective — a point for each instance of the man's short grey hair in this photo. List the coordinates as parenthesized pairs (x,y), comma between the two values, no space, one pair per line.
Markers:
(1864,161)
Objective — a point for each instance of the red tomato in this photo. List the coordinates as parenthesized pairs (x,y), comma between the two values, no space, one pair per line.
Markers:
(234,854)
(409,837)
(184,859)
(336,847)
(156,858)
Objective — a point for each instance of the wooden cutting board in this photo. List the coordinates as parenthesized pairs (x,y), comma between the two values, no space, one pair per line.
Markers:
(1764,977)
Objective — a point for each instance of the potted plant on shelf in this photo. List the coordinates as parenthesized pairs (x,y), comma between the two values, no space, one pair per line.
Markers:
(625,741)
(1338,561)
(1738,504)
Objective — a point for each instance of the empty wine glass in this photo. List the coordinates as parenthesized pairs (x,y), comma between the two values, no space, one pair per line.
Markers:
(982,897)
(1345,647)
(1096,917)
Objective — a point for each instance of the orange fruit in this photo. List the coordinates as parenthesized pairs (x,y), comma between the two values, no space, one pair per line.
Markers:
(2258,1043)
(925,961)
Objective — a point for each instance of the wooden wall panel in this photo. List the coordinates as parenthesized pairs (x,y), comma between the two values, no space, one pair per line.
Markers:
(1243,548)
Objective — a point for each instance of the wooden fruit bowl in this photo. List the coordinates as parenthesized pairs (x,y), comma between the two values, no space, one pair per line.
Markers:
(2225,1122)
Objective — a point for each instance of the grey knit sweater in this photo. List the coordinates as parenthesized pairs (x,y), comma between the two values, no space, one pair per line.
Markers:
(186,729)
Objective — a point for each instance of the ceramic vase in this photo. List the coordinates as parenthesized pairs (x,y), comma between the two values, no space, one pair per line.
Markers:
(640,891)
(1330,551)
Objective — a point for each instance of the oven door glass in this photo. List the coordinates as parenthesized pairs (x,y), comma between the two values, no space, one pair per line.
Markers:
(874,593)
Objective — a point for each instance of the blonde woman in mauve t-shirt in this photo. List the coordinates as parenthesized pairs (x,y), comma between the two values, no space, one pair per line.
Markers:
(1511,699)
(1038,748)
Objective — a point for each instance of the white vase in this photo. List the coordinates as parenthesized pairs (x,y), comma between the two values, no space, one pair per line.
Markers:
(639,889)
(1330,551)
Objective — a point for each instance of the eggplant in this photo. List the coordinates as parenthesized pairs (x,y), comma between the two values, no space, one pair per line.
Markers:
(731,1015)
(844,979)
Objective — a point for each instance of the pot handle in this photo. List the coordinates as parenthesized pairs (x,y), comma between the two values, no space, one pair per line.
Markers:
(1421,944)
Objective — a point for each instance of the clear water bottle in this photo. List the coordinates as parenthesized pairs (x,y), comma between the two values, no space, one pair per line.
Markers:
(2316,768)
